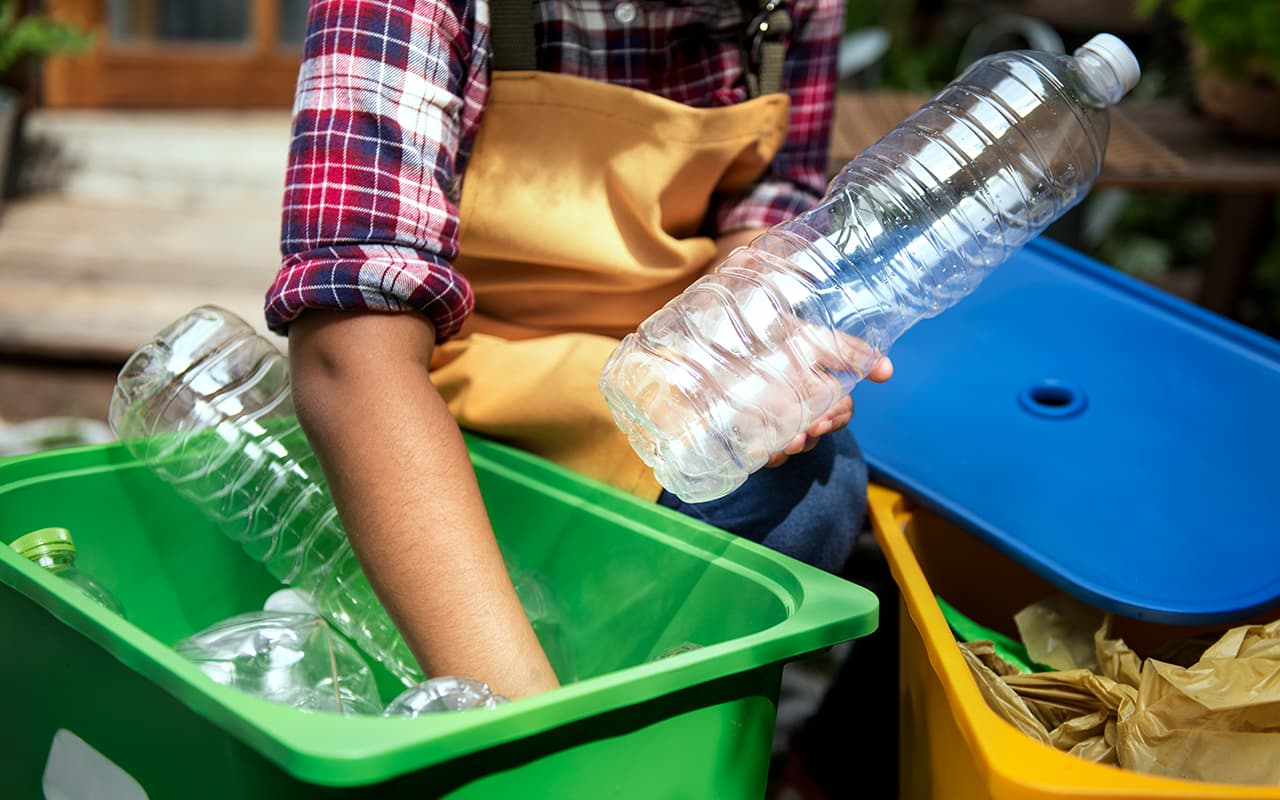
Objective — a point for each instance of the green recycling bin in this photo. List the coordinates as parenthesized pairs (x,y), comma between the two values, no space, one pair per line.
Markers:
(94,700)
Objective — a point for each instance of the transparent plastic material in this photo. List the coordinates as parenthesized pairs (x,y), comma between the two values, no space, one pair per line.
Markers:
(206,404)
(543,607)
(55,550)
(749,356)
(633,580)
(289,658)
(443,694)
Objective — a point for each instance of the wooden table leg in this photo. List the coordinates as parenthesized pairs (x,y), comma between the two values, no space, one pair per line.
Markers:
(1240,234)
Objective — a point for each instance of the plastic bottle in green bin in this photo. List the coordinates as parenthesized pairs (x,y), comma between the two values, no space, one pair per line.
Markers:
(55,550)
(206,404)
(286,657)
(441,695)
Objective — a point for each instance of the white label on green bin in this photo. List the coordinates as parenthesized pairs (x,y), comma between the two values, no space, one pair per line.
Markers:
(75,770)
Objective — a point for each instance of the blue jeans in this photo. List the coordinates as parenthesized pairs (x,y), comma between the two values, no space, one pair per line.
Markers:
(810,508)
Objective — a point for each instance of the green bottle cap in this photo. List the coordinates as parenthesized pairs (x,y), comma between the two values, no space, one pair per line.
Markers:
(43,542)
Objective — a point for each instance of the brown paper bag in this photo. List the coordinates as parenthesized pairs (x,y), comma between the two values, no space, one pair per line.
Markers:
(1215,719)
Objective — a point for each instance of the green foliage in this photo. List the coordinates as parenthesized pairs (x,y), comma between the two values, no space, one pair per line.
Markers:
(922,56)
(1241,38)
(1158,232)
(34,36)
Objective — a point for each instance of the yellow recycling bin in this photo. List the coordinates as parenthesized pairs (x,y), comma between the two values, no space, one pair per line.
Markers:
(953,746)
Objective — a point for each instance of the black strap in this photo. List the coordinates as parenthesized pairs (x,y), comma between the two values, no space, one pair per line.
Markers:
(766,47)
(512,36)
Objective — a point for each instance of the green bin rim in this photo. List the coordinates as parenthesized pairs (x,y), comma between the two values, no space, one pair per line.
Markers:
(333,750)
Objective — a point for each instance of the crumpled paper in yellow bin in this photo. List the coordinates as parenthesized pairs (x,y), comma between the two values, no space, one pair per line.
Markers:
(1214,716)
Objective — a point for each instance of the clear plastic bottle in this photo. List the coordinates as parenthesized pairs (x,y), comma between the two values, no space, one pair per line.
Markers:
(443,694)
(55,550)
(545,610)
(285,657)
(749,356)
(207,405)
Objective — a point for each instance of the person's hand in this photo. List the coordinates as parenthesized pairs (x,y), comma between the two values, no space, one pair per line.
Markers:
(853,352)
(835,419)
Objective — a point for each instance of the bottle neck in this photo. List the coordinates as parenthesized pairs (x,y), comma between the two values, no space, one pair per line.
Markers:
(55,561)
(1105,85)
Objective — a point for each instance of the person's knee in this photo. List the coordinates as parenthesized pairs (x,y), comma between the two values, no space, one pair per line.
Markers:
(822,526)
(823,536)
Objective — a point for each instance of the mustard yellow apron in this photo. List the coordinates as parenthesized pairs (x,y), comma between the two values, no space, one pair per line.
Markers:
(580,214)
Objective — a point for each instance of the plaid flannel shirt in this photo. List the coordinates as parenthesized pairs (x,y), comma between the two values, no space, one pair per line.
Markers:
(391,93)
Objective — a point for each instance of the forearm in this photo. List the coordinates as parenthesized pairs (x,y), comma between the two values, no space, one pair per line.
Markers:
(406,492)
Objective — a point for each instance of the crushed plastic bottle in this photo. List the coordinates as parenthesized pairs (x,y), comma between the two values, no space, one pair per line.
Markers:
(55,550)
(443,694)
(285,657)
(749,356)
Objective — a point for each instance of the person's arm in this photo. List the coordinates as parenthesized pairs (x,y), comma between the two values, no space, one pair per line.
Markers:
(728,242)
(389,96)
(406,491)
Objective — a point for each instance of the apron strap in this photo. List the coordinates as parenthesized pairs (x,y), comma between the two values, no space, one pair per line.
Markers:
(512,38)
(511,35)
(766,47)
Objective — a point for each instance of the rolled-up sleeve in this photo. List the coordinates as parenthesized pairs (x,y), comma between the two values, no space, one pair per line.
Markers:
(389,96)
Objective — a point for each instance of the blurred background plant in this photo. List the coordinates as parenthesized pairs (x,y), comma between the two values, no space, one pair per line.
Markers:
(32,36)
(25,38)
(1241,38)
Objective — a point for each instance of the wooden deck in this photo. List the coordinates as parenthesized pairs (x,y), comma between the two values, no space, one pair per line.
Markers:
(133,220)
(91,281)
(1154,145)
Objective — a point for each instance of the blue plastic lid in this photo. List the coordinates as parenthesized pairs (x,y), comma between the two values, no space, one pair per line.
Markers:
(1118,441)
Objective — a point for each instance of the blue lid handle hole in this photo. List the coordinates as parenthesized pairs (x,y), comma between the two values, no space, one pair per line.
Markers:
(1052,398)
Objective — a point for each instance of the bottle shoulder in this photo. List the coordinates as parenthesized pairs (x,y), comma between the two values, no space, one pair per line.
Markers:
(1048,95)
(1081,81)
(91,587)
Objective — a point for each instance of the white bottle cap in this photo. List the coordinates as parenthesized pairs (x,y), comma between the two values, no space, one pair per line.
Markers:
(1118,56)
